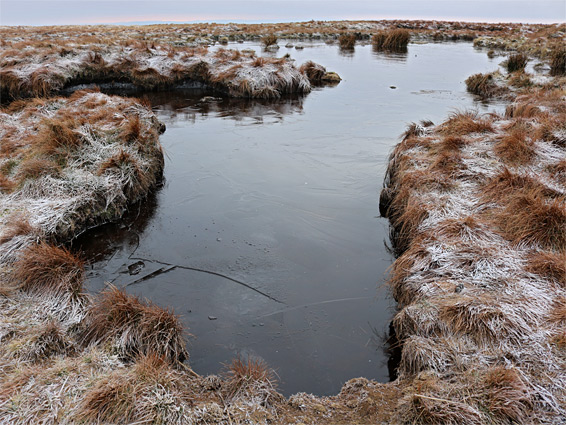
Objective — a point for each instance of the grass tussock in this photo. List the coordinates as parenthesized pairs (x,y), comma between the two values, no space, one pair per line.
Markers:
(395,40)
(48,341)
(149,391)
(451,144)
(313,71)
(269,40)
(558,61)
(137,180)
(134,326)
(530,218)
(520,80)
(6,184)
(407,263)
(17,225)
(515,147)
(111,400)
(347,41)
(549,265)
(421,354)
(425,406)
(508,397)
(415,130)
(463,123)
(507,184)
(57,138)
(47,269)
(249,379)
(259,62)
(435,178)
(37,167)
(448,163)
(484,85)
(516,62)
(132,130)
(406,215)
(558,171)
(523,110)
(149,78)
(558,312)
(480,318)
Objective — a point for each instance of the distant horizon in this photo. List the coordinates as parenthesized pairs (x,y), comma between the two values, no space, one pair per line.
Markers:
(145,12)
(239,22)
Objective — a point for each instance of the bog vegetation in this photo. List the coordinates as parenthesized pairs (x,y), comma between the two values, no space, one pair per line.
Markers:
(394,40)
(477,206)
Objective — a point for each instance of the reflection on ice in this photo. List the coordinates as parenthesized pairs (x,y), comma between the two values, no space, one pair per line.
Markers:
(192,105)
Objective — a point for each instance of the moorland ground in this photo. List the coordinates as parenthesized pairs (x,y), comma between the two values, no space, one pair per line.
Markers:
(477,206)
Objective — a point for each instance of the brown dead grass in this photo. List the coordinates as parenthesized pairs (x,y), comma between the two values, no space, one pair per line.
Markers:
(269,40)
(394,40)
(508,396)
(529,217)
(57,138)
(424,403)
(549,265)
(132,130)
(406,215)
(448,163)
(462,123)
(451,143)
(515,147)
(520,80)
(138,327)
(428,179)
(139,181)
(507,184)
(47,269)
(48,341)
(403,267)
(558,61)
(128,396)
(347,41)
(6,184)
(249,378)
(18,225)
(483,85)
(523,110)
(558,312)
(149,78)
(42,82)
(37,167)
(259,62)
(516,62)
(111,400)
(558,171)
(413,130)
(459,228)
(313,71)
(552,130)
(475,317)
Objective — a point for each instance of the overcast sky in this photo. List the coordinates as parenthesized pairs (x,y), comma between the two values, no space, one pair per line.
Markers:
(62,12)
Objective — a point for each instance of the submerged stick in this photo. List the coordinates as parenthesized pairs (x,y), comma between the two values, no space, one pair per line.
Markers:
(177,266)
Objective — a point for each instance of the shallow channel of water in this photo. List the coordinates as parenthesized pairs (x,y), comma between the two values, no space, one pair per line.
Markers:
(265,236)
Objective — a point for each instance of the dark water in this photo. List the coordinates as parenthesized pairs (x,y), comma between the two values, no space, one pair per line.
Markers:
(265,236)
